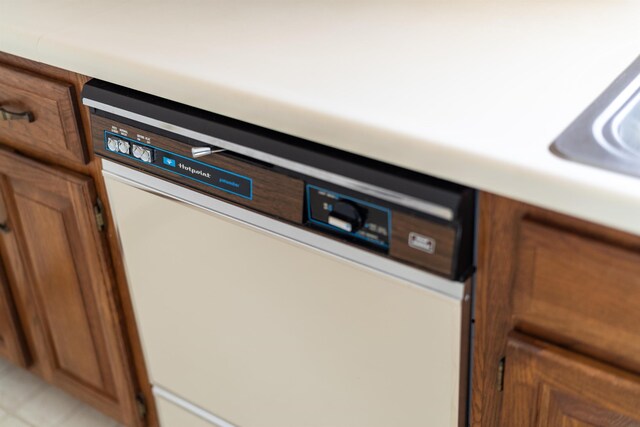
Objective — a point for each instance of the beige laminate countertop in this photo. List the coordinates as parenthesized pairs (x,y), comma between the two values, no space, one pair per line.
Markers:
(469,91)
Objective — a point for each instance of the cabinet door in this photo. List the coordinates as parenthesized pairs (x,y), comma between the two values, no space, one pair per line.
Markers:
(11,336)
(548,386)
(56,259)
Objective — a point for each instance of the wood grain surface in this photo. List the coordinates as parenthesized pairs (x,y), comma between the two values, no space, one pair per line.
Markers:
(55,130)
(552,387)
(273,193)
(500,238)
(441,260)
(579,292)
(128,342)
(64,284)
(12,339)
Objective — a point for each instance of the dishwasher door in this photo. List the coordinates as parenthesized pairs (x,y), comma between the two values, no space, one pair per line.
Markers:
(243,327)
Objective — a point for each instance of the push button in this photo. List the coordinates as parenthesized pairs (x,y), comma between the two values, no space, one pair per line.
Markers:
(123,146)
(143,153)
(112,144)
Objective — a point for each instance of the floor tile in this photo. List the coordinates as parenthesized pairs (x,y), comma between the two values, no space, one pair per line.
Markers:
(87,417)
(11,421)
(16,387)
(47,408)
(27,401)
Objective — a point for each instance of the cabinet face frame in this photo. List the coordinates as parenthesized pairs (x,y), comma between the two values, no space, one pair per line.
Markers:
(58,263)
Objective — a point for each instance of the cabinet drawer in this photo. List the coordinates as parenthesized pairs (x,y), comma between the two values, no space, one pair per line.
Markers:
(52,129)
(579,292)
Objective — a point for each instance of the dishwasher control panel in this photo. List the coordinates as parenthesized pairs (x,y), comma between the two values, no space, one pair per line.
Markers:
(357,215)
(349,216)
(179,165)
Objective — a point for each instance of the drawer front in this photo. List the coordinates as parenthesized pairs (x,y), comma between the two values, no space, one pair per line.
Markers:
(53,126)
(580,292)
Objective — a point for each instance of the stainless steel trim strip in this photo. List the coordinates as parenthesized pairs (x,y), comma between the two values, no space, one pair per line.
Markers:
(149,183)
(190,407)
(372,190)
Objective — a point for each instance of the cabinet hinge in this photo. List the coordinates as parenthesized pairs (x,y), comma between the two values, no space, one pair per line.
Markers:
(98,211)
(501,375)
(141,405)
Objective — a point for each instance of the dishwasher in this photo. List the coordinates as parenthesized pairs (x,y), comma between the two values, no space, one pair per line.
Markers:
(280,282)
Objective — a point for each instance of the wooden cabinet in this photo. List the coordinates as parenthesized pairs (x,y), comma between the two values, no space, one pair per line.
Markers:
(557,324)
(64,310)
(59,269)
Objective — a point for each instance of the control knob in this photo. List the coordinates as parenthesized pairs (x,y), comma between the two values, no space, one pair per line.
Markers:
(112,144)
(346,216)
(123,146)
(142,153)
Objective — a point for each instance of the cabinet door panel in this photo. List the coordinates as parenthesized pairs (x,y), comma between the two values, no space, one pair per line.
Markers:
(62,275)
(11,335)
(548,386)
(59,272)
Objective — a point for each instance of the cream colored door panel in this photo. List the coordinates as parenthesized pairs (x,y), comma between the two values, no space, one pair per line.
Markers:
(264,332)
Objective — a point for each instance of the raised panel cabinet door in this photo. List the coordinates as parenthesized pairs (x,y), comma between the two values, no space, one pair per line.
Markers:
(60,268)
(12,341)
(546,386)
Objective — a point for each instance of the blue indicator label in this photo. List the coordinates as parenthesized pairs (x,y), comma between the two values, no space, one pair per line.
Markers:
(169,162)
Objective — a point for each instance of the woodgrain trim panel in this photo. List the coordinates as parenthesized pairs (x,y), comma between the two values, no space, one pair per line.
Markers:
(273,193)
(406,227)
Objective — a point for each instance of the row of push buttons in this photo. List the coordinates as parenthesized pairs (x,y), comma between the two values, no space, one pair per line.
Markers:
(122,146)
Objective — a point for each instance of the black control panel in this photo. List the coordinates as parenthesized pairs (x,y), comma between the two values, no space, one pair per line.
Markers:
(417,220)
(367,222)
(179,165)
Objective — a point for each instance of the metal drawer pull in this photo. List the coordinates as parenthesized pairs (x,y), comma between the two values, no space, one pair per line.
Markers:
(9,115)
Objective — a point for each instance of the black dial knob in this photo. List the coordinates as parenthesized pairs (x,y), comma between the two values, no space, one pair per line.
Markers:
(346,216)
